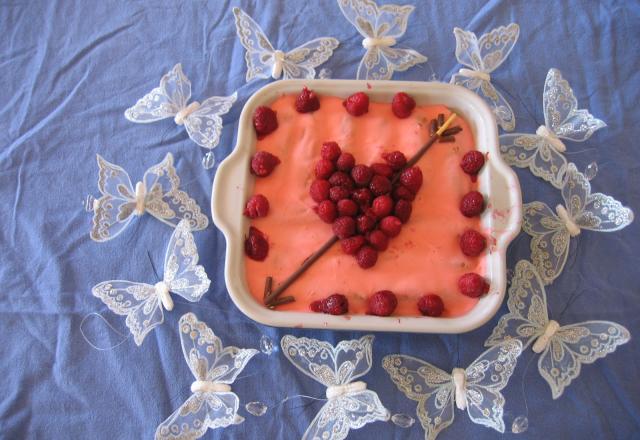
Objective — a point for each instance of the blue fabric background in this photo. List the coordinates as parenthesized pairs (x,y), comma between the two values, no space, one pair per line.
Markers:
(69,69)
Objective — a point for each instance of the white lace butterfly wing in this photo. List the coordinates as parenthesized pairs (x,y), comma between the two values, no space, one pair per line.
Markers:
(467,50)
(259,51)
(577,344)
(205,124)
(534,152)
(549,240)
(166,201)
(384,61)
(561,113)
(182,273)
(495,46)
(164,101)
(301,62)
(198,413)
(114,209)
(486,377)
(327,364)
(499,105)
(527,304)
(343,413)
(138,301)
(431,387)
(595,212)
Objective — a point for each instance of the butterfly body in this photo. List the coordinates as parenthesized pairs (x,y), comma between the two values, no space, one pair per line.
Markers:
(171,100)
(563,349)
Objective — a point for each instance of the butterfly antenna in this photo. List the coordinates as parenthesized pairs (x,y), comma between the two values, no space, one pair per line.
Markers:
(153,266)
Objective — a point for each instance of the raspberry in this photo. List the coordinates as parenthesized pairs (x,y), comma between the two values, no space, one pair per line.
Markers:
(344,227)
(257,206)
(382,206)
(307,101)
(395,159)
(379,185)
(346,162)
(263,163)
(351,245)
(256,245)
(431,305)
(341,179)
(403,210)
(365,223)
(347,207)
(402,105)
(411,178)
(382,303)
(324,169)
(361,175)
(391,226)
(403,193)
(378,240)
(472,204)
(382,169)
(362,196)
(473,285)
(316,306)
(357,104)
(330,151)
(335,304)
(337,193)
(367,257)
(264,121)
(472,243)
(327,211)
(319,190)
(472,162)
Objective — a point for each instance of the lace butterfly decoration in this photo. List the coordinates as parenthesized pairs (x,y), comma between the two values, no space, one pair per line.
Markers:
(157,193)
(562,349)
(482,57)
(381,26)
(170,100)
(212,403)
(143,303)
(264,62)
(350,405)
(551,232)
(542,152)
(476,389)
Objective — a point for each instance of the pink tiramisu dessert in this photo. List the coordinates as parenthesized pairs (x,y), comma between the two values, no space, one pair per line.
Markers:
(362,207)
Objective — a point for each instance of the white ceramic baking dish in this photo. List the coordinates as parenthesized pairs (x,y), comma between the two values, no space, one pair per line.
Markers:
(233,184)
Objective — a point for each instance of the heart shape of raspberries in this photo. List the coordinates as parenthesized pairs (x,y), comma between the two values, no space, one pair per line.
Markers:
(366,204)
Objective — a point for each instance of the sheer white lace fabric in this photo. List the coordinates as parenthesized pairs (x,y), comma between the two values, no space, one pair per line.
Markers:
(142,303)
(171,100)
(212,404)
(483,56)
(381,27)
(476,389)
(542,152)
(563,349)
(551,232)
(263,61)
(158,194)
(350,405)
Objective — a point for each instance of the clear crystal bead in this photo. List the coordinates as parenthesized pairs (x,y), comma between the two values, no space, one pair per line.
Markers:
(256,408)
(209,160)
(591,170)
(266,345)
(403,420)
(520,424)
(324,73)
(88,203)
